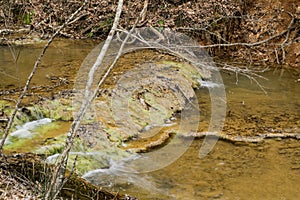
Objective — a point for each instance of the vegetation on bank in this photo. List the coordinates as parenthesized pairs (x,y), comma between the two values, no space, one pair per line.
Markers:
(258,32)
(254,32)
(26,176)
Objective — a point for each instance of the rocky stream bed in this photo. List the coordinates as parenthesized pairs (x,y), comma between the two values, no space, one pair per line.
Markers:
(122,125)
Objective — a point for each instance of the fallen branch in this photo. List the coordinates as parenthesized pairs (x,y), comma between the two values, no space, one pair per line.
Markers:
(3,120)
(249,139)
(290,27)
(250,74)
(6,31)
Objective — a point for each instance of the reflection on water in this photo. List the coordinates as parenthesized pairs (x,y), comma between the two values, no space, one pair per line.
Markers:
(62,59)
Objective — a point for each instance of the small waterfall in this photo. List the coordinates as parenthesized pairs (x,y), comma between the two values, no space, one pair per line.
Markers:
(24,130)
(120,175)
(208,84)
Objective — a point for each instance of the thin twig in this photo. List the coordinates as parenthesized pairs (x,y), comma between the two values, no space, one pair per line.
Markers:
(58,175)
(66,179)
(36,65)
(119,52)
(250,74)
(284,43)
(290,27)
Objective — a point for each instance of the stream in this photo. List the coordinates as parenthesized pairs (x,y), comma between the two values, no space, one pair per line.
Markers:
(234,169)
(231,171)
(268,169)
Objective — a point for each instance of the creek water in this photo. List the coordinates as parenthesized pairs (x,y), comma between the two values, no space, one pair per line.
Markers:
(61,60)
(269,169)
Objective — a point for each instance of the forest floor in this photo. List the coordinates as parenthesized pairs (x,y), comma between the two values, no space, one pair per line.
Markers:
(260,32)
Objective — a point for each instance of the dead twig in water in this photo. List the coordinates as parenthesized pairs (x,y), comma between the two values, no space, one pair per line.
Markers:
(250,74)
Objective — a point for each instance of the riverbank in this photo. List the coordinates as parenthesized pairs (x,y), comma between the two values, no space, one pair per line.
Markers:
(258,33)
(254,32)
(25,176)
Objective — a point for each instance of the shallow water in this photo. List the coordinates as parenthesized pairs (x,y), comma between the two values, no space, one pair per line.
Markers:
(35,135)
(62,59)
(233,170)
(247,171)
(252,111)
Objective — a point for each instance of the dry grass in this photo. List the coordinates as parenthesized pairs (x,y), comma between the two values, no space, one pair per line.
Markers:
(12,188)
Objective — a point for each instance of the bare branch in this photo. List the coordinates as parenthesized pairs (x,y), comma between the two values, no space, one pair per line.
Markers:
(289,28)
(36,65)
(250,74)
(284,43)
(58,176)
(144,12)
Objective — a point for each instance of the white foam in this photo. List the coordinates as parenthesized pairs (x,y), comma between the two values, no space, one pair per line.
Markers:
(119,173)
(36,123)
(52,158)
(24,131)
(21,133)
(209,84)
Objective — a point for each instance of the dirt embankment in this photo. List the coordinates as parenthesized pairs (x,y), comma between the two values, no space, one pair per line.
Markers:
(262,32)
(25,176)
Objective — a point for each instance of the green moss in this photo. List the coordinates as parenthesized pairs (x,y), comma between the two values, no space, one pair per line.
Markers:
(45,135)
(27,18)
(58,109)
(88,158)
(190,72)
(160,22)
(115,135)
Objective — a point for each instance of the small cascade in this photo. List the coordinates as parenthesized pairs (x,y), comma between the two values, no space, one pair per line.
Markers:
(119,175)
(208,84)
(24,130)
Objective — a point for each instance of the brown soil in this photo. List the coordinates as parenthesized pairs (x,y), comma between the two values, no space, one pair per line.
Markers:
(21,174)
(210,22)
